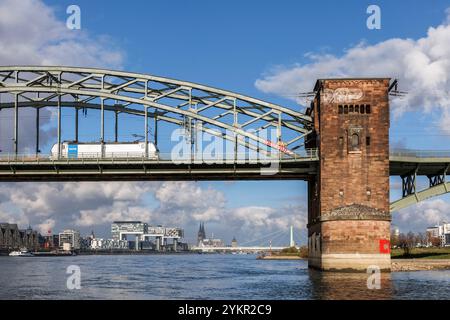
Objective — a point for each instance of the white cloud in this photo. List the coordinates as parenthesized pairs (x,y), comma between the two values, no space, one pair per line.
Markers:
(90,205)
(189,194)
(13,215)
(46,226)
(31,34)
(188,203)
(259,221)
(107,214)
(422,67)
(76,203)
(422,215)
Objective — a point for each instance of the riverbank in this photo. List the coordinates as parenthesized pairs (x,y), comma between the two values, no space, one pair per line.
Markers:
(291,253)
(398,265)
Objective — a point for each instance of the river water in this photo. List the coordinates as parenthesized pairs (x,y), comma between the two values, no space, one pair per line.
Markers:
(211,276)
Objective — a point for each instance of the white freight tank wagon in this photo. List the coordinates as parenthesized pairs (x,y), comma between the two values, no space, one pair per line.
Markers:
(79,150)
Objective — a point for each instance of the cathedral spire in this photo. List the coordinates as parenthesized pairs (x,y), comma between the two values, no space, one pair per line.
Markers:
(201,235)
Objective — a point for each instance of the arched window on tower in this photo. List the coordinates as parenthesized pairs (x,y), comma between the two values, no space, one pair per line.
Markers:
(355,141)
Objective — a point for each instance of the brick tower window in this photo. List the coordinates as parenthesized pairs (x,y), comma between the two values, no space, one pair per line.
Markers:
(355,136)
(355,142)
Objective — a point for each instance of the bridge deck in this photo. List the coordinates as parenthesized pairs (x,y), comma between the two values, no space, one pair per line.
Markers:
(425,162)
(31,168)
(108,169)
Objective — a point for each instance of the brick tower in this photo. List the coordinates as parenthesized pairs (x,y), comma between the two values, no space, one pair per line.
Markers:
(348,201)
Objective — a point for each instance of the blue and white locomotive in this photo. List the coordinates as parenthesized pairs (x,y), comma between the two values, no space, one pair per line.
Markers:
(81,150)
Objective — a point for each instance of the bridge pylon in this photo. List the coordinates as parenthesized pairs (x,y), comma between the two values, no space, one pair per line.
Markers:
(348,200)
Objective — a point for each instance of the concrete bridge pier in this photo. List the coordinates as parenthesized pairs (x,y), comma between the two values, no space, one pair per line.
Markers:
(175,244)
(348,200)
(137,243)
(158,243)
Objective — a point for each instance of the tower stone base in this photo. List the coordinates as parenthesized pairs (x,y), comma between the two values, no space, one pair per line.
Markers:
(352,238)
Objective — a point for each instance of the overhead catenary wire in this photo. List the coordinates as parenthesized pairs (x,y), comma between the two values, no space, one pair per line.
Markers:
(273,241)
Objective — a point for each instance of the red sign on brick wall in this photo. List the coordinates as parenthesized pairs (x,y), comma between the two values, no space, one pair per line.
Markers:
(385,246)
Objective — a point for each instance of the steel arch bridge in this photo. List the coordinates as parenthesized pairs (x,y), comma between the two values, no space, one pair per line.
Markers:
(228,115)
(239,119)
(162,99)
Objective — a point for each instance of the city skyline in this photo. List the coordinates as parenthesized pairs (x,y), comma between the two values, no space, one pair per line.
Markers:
(191,239)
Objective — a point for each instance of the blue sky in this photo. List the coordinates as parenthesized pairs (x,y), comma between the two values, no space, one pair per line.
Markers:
(231,44)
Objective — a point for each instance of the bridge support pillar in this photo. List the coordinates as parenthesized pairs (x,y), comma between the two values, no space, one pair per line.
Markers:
(158,243)
(348,214)
(37,132)
(175,244)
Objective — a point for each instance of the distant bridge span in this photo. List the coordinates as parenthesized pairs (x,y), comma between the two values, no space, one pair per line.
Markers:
(409,164)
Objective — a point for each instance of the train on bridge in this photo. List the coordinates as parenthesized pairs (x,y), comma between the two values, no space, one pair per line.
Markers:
(82,150)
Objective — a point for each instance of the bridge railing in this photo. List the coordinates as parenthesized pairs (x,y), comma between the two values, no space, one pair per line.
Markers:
(419,153)
(306,154)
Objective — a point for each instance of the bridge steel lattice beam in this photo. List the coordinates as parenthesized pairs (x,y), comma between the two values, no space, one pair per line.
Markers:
(168,99)
(409,183)
(439,178)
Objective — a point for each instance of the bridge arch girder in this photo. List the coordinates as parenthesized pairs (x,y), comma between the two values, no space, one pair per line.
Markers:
(171,100)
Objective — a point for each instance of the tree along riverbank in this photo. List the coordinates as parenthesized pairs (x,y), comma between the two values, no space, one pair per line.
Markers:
(421,253)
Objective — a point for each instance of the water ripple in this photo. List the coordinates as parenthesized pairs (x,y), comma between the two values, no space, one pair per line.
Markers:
(203,277)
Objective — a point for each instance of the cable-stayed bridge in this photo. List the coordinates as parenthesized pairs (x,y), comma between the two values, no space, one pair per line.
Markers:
(274,241)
